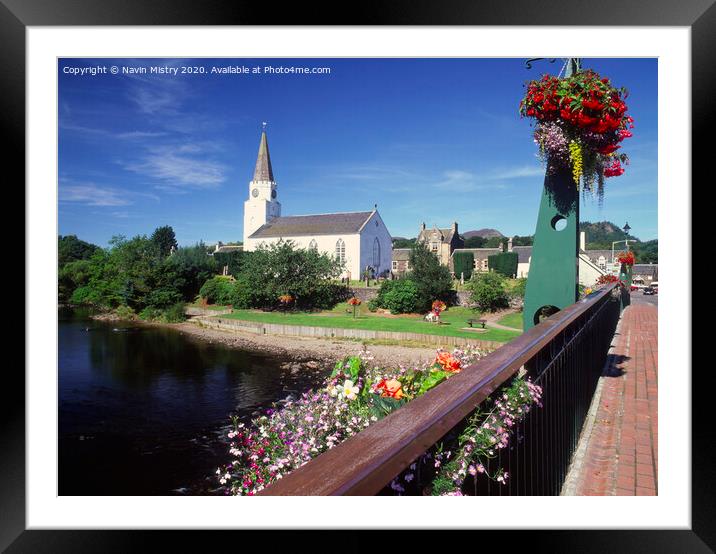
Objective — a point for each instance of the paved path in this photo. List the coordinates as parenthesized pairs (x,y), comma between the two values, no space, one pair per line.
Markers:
(618,452)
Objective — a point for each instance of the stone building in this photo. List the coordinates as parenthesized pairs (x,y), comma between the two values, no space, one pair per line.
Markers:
(441,242)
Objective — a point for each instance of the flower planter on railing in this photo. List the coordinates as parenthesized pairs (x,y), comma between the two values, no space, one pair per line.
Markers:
(566,353)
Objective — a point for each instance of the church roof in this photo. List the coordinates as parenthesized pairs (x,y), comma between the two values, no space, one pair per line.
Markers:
(348,223)
(263,170)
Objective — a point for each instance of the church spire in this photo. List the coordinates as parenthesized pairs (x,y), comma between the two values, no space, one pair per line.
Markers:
(263,171)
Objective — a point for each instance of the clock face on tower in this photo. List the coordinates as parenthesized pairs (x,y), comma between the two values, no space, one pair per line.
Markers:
(255,192)
(273,194)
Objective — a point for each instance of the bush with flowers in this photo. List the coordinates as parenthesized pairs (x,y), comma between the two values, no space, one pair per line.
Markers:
(581,121)
(355,395)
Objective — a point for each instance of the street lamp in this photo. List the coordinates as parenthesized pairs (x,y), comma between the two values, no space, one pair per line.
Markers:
(626,230)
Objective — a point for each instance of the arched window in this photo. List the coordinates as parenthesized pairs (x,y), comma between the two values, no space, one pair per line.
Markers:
(341,250)
(313,245)
(376,254)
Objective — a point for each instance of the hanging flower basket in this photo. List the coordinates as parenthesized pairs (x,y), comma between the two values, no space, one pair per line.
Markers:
(580,123)
(626,258)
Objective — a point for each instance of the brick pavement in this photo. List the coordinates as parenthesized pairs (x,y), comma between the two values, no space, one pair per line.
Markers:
(621,454)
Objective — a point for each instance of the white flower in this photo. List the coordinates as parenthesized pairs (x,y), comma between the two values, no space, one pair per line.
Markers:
(349,390)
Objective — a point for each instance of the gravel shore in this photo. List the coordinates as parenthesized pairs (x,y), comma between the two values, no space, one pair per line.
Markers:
(303,348)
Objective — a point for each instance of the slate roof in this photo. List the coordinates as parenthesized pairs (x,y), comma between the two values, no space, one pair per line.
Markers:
(479,253)
(646,269)
(523,253)
(348,223)
(401,254)
(445,235)
(594,254)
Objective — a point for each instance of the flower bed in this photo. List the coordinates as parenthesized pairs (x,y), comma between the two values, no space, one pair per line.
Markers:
(581,121)
(355,396)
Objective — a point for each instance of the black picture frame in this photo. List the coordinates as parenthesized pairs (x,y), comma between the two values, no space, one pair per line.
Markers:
(16,15)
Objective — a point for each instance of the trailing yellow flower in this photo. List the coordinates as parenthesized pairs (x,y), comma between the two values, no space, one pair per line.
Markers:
(575,156)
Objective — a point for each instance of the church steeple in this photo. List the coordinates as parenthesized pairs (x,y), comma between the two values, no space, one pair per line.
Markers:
(263,170)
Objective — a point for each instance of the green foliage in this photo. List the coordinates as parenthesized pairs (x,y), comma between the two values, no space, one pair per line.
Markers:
(172,314)
(404,243)
(463,264)
(646,252)
(164,239)
(504,263)
(432,280)
(517,287)
(281,268)
(488,291)
(231,259)
(71,249)
(400,297)
(475,242)
(218,290)
(125,312)
(133,273)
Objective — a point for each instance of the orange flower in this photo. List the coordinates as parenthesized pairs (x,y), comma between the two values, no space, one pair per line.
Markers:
(354,301)
(448,362)
(391,388)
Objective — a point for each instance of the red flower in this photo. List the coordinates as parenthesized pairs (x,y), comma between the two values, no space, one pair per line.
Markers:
(608,149)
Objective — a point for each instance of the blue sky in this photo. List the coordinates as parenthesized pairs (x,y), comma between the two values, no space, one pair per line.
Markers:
(434,140)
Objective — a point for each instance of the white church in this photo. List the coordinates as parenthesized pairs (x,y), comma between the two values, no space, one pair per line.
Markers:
(359,239)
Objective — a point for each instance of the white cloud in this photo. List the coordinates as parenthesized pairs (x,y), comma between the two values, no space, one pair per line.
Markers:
(177,170)
(93,195)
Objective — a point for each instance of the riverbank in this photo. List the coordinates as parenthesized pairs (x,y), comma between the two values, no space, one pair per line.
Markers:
(302,348)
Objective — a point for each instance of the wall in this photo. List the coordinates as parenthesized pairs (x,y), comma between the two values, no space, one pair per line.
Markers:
(369,233)
(329,332)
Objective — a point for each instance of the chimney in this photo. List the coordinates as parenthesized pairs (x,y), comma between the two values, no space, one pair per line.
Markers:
(509,244)
(454,227)
(582,240)
(422,227)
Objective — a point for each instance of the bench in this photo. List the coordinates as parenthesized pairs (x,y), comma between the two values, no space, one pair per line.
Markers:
(480,321)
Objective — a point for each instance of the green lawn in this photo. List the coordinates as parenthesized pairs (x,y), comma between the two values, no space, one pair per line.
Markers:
(453,320)
(512,320)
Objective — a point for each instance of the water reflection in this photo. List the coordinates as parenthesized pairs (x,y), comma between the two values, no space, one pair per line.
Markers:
(143,410)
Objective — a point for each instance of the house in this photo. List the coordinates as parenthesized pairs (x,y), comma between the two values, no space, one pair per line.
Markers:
(401,261)
(359,239)
(441,242)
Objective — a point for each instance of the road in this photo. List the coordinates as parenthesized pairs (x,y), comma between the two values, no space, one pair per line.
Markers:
(637,297)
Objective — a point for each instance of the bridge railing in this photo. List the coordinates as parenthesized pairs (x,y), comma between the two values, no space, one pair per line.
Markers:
(565,354)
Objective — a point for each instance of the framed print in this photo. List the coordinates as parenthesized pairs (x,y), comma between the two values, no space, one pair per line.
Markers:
(311,263)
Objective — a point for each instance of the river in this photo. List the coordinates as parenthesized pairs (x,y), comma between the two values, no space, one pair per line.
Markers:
(144,410)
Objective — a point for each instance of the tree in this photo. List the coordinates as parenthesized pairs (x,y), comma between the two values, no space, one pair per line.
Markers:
(504,263)
(432,280)
(463,264)
(164,239)
(475,242)
(488,291)
(71,249)
(282,269)
(403,243)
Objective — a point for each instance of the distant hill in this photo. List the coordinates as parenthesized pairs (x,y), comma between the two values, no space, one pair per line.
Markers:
(601,234)
(484,233)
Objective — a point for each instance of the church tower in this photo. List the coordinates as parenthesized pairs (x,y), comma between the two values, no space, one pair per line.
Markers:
(262,205)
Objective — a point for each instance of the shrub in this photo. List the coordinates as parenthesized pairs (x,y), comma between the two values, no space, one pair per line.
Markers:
(400,297)
(488,291)
(174,314)
(125,312)
(218,290)
(463,264)
(504,263)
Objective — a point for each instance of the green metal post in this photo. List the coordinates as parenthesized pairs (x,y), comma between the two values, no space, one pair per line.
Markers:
(552,282)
